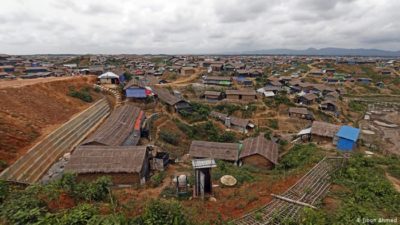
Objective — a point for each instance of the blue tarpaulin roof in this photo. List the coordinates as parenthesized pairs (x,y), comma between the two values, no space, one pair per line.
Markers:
(122,78)
(136,93)
(348,132)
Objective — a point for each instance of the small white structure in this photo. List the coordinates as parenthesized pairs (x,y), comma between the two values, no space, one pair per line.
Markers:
(202,171)
(269,94)
(108,78)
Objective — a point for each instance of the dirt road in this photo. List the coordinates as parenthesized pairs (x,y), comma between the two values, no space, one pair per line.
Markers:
(184,81)
(20,82)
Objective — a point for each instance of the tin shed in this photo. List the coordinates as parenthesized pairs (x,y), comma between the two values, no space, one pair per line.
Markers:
(347,138)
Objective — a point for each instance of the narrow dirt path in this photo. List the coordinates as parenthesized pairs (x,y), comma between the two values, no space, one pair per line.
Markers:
(394,181)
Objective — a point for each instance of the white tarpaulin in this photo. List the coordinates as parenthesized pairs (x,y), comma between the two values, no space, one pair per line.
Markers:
(108,75)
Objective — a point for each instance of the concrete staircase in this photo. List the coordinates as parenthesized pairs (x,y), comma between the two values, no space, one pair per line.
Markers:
(30,167)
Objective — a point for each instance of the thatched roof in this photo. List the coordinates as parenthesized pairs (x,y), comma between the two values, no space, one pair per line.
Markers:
(218,78)
(310,96)
(212,93)
(118,127)
(106,159)
(298,110)
(324,129)
(234,120)
(214,150)
(240,92)
(165,96)
(261,146)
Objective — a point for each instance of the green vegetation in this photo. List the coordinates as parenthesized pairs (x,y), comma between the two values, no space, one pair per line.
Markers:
(159,212)
(168,137)
(278,100)
(157,179)
(128,76)
(227,108)
(199,112)
(300,155)
(242,174)
(83,94)
(370,73)
(30,206)
(97,89)
(206,131)
(3,165)
(357,106)
(364,193)
(273,123)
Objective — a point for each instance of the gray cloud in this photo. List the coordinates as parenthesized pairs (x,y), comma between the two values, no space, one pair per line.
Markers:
(195,26)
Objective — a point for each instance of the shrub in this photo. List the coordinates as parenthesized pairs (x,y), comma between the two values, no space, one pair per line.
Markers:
(273,123)
(23,207)
(4,190)
(357,106)
(227,108)
(97,89)
(168,137)
(3,165)
(159,212)
(242,174)
(157,179)
(80,215)
(300,155)
(206,131)
(83,94)
(198,112)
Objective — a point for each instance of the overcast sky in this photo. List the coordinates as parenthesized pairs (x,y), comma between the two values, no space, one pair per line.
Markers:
(195,26)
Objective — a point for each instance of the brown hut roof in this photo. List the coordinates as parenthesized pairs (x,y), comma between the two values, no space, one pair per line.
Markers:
(298,110)
(261,146)
(214,150)
(324,129)
(240,92)
(234,120)
(107,159)
(212,93)
(166,97)
(218,78)
(310,96)
(117,128)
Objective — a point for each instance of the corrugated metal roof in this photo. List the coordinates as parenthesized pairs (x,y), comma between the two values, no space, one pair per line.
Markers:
(348,132)
(136,93)
(203,163)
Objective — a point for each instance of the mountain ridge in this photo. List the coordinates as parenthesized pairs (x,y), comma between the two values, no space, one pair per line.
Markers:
(330,51)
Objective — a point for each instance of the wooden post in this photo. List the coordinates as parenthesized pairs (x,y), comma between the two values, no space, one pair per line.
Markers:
(294,201)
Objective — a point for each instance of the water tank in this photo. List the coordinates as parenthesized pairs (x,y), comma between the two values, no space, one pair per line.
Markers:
(182,180)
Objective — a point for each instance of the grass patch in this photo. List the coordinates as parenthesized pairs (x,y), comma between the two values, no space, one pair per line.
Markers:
(206,131)
(157,179)
(168,137)
(365,193)
(242,174)
(199,112)
(300,155)
(357,106)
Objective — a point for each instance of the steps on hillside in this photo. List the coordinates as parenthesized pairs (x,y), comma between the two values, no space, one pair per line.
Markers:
(30,167)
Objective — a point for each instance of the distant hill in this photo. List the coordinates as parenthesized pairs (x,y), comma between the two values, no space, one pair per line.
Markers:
(327,52)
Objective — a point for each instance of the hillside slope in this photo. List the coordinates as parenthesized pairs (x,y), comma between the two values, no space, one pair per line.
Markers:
(29,113)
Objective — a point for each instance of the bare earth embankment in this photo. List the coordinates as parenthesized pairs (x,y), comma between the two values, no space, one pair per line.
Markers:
(32,109)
